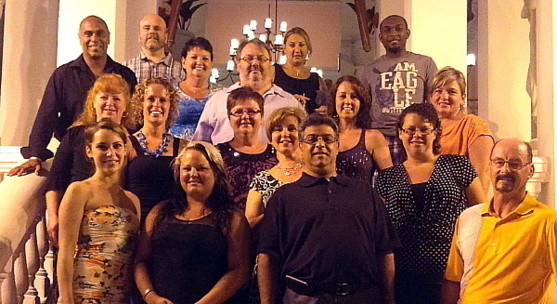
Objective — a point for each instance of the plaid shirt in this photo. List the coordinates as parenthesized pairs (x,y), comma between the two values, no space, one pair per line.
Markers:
(144,68)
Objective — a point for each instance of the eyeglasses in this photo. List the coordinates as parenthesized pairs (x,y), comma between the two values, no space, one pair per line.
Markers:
(513,166)
(313,139)
(251,58)
(240,112)
(423,131)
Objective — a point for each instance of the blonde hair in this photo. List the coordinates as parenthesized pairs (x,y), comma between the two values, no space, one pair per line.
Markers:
(280,114)
(107,83)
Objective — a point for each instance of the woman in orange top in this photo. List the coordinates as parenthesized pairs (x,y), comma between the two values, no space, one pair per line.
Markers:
(462,134)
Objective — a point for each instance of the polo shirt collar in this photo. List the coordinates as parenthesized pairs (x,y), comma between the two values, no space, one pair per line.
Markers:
(274,90)
(166,60)
(524,208)
(307,180)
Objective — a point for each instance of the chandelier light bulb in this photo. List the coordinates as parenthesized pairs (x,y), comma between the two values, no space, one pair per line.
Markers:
(230,65)
(283,27)
(268,23)
(263,37)
(253,25)
(234,43)
(215,73)
(279,40)
(246,30)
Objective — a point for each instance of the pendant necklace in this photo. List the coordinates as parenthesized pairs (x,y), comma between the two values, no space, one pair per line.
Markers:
(288,171)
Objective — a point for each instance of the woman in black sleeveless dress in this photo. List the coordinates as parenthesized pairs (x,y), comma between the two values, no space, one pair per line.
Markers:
(362,150)
(194,247)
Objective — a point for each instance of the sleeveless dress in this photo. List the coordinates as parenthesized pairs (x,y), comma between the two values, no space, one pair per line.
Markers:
(151,178)
(356,162)
(188,258)
(102,265)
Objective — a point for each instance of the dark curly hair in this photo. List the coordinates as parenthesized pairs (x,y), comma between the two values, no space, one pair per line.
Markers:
(219,201)
(427,112)
(363,118)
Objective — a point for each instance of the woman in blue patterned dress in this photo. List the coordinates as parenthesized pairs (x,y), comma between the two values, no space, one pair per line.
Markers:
(102,220)
(424,196)
(195,90)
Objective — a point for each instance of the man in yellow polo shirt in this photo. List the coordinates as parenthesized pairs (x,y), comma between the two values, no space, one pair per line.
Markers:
(504,251)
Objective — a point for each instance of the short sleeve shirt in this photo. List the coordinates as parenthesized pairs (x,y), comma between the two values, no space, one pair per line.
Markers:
(426,236)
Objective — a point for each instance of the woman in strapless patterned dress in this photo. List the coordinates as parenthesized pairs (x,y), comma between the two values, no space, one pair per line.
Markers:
(104,239)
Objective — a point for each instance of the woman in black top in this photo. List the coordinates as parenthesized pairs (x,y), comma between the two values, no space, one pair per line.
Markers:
(194,247)
(149,175)
(293,76)
(424,196)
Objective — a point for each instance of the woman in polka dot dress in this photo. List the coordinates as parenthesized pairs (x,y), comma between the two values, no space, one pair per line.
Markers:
(424,196)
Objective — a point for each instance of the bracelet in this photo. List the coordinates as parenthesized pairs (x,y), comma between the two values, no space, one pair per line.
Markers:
(146,292)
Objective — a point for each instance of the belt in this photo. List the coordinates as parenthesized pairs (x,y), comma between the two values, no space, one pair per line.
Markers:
(339,289)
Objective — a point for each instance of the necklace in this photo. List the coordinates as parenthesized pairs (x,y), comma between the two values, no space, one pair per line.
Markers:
(160,149)
(288,171)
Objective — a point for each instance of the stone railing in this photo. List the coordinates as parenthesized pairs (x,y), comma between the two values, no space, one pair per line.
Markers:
(26,261)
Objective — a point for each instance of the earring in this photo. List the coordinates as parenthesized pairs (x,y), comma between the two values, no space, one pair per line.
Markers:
(125,114)
(307,55)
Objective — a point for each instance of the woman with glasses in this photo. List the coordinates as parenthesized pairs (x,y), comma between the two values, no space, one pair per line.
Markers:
(293,76)
(463,134)
(361,150)
(245,155)
(424,196)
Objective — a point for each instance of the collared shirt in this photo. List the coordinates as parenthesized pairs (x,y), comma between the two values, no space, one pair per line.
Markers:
(63,101)
(327,232)
(214,125)
(514,256)
(144,68)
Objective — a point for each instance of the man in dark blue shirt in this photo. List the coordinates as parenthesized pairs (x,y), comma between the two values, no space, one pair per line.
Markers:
(329,237)
(66,91)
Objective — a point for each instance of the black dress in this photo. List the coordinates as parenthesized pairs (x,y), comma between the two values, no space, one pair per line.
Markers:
(188,258)
(150,178)
(307,87)
(242,167)
(356,162)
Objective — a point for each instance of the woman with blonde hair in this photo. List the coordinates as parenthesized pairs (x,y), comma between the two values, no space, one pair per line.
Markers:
(194,246)
(282,130)
(293,76)
(462,133)
(108,98)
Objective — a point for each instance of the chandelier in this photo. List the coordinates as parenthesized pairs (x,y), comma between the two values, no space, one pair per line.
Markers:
(273,38)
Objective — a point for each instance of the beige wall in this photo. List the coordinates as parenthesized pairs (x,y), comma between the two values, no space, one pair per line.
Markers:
(503,58)
(28,60)
(321,20)
(121,16)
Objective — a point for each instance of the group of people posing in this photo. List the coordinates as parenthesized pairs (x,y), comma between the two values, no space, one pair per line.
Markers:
(280,189)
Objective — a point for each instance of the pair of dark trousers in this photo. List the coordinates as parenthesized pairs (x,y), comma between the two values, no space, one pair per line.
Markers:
(368,296)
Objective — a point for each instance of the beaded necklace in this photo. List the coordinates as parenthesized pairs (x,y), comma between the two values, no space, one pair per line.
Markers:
(160,149)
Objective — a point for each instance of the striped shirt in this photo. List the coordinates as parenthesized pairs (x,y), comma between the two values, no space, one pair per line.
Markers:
(144,68)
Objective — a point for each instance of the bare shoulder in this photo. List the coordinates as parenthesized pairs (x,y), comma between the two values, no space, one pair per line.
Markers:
(133,199)
(375,138)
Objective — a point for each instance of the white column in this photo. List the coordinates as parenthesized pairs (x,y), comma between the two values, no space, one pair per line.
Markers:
(440,33)
(503,58)
(29,58)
